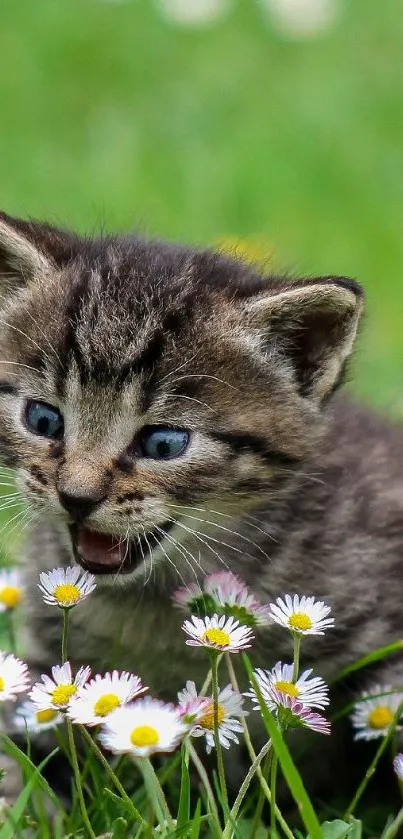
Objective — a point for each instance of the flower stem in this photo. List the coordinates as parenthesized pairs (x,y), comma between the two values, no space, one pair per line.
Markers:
(372,766)
(204,779)
(220,762)
(243,790)
(64,635)
(11,632)
(297,645)
(153,785)
(393,829)
(262,794)
(273,780)
(77,779)
(112,775)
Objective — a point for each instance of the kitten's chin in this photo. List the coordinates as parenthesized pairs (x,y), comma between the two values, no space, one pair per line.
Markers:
(106,553)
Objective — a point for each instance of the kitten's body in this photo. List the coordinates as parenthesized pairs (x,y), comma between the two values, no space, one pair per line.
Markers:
(290,492)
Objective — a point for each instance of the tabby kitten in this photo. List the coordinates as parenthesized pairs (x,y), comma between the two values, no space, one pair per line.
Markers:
(167,412)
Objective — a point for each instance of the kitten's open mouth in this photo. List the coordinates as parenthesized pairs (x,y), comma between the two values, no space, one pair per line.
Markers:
(105,553)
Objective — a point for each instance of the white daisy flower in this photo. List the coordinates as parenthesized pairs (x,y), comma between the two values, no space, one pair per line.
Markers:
(302,615)
(293,714)
(398,766)
(229,713)
(65,587)
(27,717)
(191,706)
(312,693)
(11,592)
(56,692)
(217,633)
(14,676)
(375,712)
(102,695)
(143,728)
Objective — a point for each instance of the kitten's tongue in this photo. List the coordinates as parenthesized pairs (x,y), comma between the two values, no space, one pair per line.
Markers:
(100,549)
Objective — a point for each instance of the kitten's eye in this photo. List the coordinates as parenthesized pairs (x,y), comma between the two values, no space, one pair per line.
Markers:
(44,419)
(162,443)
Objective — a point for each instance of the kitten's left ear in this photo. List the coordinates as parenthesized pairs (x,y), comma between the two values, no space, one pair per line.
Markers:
(21,261)
(314,325)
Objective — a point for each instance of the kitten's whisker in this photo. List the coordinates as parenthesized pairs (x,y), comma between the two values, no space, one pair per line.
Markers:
(204,376)
(228,530)
(191,399)
(18,515)
(34,321)
(180,367)
(182,550)
(19,364)
(28,337)
(198,536)
(160,545)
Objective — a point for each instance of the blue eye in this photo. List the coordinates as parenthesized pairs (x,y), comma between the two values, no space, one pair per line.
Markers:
(162,443)
(44,419)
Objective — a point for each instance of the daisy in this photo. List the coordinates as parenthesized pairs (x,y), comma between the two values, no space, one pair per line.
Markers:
(191,706)
(374,714)
(293,714)
(27,717)
(57,692)
(217,633)
(65,587)
(143,728)
(229,713)
(313,693)
(303,615)
(398,766)
(10,589)
(14,676)
(102,695)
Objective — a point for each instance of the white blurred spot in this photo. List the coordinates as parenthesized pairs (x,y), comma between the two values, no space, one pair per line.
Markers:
(193,12)
(302,18)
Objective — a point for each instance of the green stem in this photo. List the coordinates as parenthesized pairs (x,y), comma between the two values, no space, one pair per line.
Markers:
(152,783)
(64,635)
(372,767)
(297,645)
(112,775)
(77,778)
(204,779)
(220,762)
(393,829)
(243,790)
(252,754)
(262,794)
(11,633)
(273,780)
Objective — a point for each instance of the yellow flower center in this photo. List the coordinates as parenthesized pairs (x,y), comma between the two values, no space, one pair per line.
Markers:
(105,704)
(62,694)
(66,594)
(11,596)
(380,717)
(207,720)
(144,735)
(2,683)
(217,637)
(299,621)
(287,687)
(46,716)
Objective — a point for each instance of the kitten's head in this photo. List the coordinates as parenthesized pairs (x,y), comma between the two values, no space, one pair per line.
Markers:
(143,384)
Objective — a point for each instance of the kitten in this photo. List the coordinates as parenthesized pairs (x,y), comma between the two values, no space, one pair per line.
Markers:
(167,412)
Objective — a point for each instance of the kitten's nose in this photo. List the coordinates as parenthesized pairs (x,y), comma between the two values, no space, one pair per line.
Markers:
(80,504)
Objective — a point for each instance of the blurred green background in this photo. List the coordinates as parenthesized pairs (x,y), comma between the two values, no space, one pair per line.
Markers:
(114,115)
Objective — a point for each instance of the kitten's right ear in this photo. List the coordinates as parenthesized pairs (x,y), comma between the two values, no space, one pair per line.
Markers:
(21,261)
